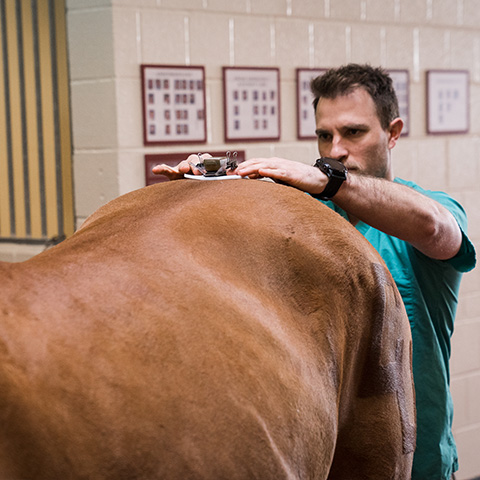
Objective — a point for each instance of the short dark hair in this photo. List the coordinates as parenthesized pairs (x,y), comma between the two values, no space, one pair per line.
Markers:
(343,80)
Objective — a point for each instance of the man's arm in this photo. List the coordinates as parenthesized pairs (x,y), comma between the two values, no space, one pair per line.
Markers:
(387,206)
(402,212)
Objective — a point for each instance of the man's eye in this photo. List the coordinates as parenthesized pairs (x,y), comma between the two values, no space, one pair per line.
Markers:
(354,132)
(323,136)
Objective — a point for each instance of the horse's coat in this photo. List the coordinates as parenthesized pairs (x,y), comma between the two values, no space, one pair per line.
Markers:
(206,330)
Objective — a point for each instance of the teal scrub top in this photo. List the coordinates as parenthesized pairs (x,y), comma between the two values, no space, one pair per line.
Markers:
(429,289)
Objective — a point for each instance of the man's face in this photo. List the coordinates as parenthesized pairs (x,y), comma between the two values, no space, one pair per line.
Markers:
(349,130)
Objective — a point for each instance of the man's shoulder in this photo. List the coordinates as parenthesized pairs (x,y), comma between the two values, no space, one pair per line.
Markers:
(415,186)
(465,259)
(441,197)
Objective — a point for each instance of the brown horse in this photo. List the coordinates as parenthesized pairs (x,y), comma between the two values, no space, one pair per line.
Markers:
(206,330)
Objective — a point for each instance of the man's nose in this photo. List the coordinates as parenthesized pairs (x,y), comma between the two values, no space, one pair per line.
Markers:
(338,150)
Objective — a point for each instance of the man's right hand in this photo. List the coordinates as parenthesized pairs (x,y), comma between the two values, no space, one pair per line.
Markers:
(185,166)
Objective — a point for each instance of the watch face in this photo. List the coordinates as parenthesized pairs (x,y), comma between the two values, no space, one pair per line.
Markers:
(333,164)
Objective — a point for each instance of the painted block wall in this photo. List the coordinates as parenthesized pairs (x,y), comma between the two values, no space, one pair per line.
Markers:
(109,39)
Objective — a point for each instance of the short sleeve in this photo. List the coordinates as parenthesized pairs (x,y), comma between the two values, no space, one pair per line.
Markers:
(465,259)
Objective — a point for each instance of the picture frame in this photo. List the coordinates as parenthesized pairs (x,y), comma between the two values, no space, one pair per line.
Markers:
(173,102)
(448,93)
(401,84)
(251,103)
(305,111)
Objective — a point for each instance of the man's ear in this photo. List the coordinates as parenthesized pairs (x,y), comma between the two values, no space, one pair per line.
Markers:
(394,129)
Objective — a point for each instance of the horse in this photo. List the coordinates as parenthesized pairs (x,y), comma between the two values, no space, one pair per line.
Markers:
(234,329)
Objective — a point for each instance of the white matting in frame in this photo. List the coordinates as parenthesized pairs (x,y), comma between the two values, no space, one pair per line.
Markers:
(252,103)
(401,84)
(305,112)
(447,101)
(173,104)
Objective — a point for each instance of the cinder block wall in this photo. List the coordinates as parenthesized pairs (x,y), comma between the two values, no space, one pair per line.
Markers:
(109,39)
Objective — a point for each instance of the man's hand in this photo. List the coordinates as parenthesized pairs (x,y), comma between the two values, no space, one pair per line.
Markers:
(185,166)
(298,175)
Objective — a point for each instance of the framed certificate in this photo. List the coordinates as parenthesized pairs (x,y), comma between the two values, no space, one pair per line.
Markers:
(447,101)
(401,83)
(173,104)
(305,112)
(251,103)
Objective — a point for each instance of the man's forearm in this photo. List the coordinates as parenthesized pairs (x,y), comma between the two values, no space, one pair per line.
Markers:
(402,212)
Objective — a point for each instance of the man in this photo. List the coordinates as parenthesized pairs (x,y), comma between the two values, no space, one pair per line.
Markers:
(420,234)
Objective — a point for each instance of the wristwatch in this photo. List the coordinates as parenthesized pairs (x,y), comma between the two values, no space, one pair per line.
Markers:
(336,173)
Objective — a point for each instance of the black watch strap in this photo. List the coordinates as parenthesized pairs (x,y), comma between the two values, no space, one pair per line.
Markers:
(336,173)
